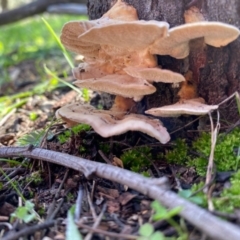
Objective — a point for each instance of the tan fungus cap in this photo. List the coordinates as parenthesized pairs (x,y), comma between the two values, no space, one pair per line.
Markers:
(154,74)
(134,35)
(106,124)
(122,85)
(177,43)
(191,107)
(86,71)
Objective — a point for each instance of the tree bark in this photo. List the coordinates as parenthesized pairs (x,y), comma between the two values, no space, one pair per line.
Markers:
(216,71)
(30,9)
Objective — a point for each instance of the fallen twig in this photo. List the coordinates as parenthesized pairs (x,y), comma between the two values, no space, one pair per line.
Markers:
(106,233)
(91,204)
(28,230)
(214,133)
(200,218)
(96,224)
(78,207)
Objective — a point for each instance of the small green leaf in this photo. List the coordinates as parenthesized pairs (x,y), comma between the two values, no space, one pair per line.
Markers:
(146,230)
(157,236)
(72,232)
(54,35)
(25,213)
(33,116)
(197,200)
(162,213)
(185,193)
(29,205)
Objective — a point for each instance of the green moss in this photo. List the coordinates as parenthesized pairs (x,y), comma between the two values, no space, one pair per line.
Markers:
(105,147)
(137,159)
(230,197)
(65,136)
(225,157)
(34,177)
(179,154)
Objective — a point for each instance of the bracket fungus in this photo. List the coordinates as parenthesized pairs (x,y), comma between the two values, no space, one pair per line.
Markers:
(120,58)
(191,107)
(122,85)
(154,74)
(176,44)
(109,123)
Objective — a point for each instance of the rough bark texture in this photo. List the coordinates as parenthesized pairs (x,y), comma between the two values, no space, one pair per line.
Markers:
(216,71)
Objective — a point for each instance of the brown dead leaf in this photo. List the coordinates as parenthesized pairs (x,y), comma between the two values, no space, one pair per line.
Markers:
(6,209)
(126,197)
(113,206)
(117,162)
(4,139)
(113,193)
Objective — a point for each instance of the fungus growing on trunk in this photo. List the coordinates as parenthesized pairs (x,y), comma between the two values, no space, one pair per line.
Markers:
(122,85)
(176,44)
(109,123)
(154,74)
(191,107)
(119,51)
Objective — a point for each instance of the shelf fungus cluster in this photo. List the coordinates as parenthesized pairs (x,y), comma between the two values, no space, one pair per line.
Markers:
(120,58)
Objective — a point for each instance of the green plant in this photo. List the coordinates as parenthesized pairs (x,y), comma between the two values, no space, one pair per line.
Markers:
(83,92)
(29,39)
(194,195)
(10,102)
(105,147)
(72,231)
(34,177)
(54,35)
(230,197)
(13,183)
(25,213)
(33,116)
(137,158)
(147,232)
(33,138)
(161,213)
(65,136)
(225,158)
(179,154)
(54,76)
(70,197)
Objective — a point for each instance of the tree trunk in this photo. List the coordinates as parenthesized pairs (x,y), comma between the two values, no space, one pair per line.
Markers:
(216,71)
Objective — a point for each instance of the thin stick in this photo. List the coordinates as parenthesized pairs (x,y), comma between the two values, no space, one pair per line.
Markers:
(7,116)
(78,208)
(52,205)
(227,99)
(28,230)
(109,234)
(104,157)
(91,205)
(96,224)
(214,133)
(203,220)
(209,198)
